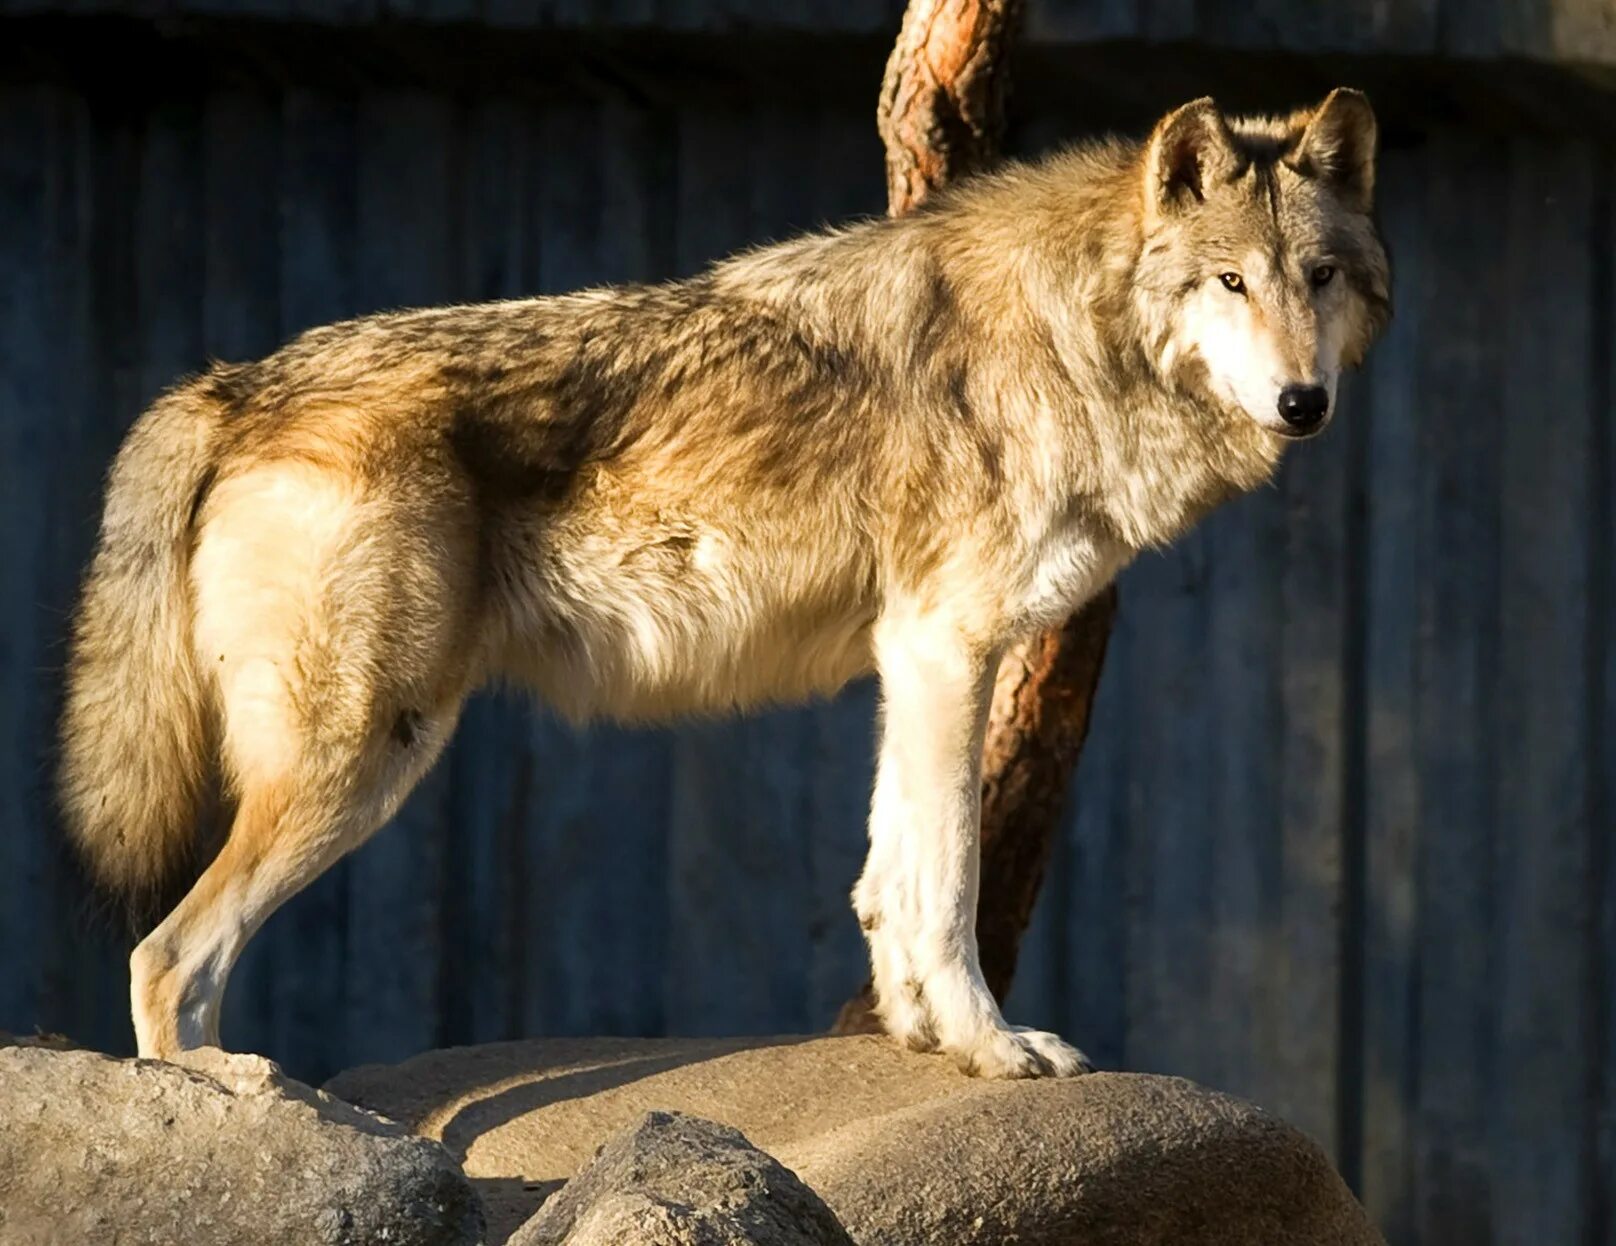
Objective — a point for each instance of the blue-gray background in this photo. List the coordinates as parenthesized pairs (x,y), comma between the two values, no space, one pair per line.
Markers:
(1341,837)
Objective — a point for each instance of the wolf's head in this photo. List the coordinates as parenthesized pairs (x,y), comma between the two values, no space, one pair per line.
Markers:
(1262,275)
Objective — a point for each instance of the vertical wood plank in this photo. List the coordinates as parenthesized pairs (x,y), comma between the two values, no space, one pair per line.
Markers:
(1473,28)
(638,175)
(1097,959)
(1391,795)
(406,251)
(1602,663)
(628,12)
(1542,1124)
(738,847)
(1168,19)
(241,184)
(1171,864)
(500,241)
(1242,816)
(571,196)
(512,13)
(597,882)
(1255,25)
(1408,27)
(26,399)
(1459,400)
(169,232)
(487,881)
(74,954)
(319,209)
(841,763)
(1082,21)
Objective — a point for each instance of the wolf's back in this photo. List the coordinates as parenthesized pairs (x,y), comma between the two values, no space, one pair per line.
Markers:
(134,737)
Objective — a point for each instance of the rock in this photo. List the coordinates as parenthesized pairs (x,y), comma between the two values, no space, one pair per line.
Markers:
(903,1148)
(1113,1160)
(56,1042)
(227,1150)
(677,1180)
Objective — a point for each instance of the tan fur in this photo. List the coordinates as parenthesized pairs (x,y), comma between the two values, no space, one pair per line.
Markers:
(137,721)
(900,445)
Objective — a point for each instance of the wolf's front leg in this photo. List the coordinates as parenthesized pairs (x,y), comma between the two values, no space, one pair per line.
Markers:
(917,896)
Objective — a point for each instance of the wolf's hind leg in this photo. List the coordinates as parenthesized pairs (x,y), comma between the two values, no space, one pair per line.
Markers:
(277,845)
(334,625)
(917,897)
(288,830)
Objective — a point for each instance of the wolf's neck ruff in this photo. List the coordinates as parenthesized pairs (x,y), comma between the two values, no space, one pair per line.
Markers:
(897,446)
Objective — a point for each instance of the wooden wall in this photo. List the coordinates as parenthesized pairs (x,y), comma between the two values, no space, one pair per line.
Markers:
(1576,32)
(1342,835)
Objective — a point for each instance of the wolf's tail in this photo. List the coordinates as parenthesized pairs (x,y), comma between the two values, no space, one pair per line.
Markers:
(135,753)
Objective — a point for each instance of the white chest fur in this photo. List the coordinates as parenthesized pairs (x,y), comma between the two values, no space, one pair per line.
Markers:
(1070,566)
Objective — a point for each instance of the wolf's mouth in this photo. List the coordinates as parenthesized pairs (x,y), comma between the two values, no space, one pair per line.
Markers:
(1297,434)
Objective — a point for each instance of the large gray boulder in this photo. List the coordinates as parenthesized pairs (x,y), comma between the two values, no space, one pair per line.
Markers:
(226,1151)
(677,1180)
(904,1149)
(1112,1160)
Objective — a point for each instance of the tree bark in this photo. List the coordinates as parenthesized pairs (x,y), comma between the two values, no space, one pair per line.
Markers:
(1042,701)
(941,117)
(941,114)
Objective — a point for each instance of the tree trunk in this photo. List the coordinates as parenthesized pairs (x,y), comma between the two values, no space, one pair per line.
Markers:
(1042,700)
(941,117)
(941,113)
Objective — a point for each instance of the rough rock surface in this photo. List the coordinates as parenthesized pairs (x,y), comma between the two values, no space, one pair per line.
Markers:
(226,1150)
(902,1147)
(677,1180)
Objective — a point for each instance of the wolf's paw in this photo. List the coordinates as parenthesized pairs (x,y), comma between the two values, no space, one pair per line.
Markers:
(905,1016)
(1063,1059)
(1020,1052)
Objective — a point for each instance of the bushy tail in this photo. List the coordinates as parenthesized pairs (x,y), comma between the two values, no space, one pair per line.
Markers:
(134,740)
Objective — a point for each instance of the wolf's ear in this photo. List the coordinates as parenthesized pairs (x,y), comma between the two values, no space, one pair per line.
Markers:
(1190,149)
(1338,146)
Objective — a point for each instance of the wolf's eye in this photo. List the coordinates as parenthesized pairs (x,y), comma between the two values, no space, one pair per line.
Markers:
(1322,274)
(1233,282)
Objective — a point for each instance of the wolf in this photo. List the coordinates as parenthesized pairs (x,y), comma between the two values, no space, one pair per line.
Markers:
(896,446)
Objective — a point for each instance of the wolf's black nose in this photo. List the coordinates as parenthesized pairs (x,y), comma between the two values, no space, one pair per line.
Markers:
(1304,406)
